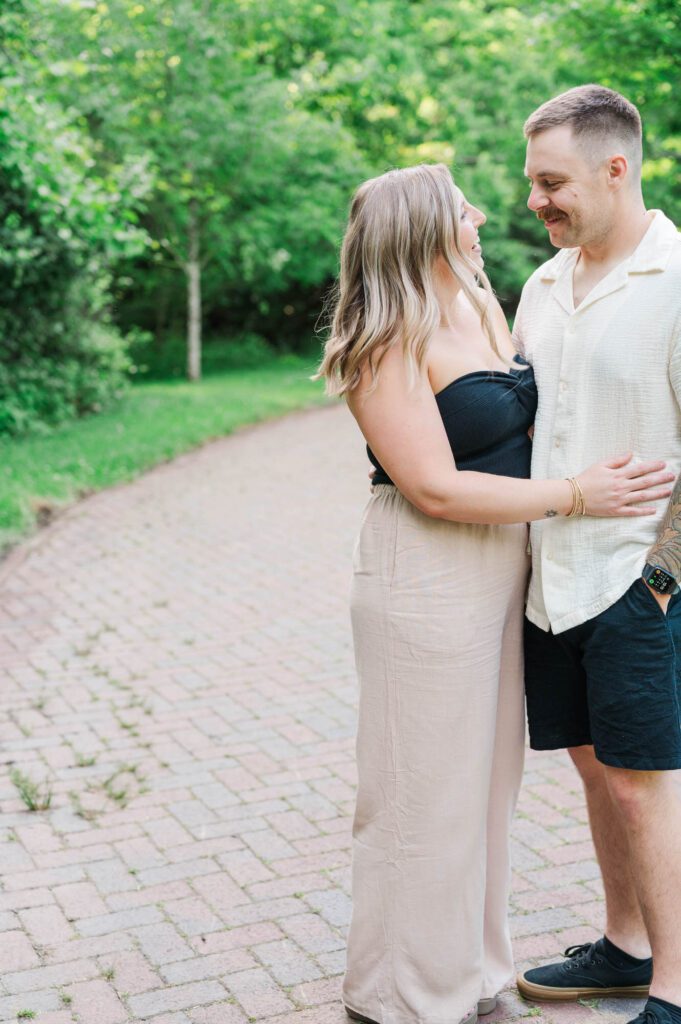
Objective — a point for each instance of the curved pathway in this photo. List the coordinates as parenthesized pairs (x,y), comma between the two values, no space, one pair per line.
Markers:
(177,673)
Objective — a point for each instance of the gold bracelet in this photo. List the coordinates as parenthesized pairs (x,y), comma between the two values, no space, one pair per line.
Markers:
(568,515)
(578,503)
(582,503)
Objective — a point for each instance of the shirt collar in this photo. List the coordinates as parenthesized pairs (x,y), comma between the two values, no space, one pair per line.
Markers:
(651,254)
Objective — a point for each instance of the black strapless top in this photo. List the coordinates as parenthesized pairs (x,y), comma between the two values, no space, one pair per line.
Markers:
(486,414)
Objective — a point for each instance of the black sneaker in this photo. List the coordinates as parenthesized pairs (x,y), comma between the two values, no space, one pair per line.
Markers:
(586,972)
(652,1013)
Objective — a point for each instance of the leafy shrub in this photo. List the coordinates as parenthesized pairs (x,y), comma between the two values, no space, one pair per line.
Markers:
(47,391)
(61,228)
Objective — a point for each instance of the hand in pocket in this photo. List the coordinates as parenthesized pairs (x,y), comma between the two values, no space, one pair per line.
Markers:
(662,599)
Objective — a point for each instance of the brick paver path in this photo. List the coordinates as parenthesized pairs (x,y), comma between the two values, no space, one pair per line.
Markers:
(176,667)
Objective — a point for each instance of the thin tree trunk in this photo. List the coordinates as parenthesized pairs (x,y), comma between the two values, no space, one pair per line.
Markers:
(193,272)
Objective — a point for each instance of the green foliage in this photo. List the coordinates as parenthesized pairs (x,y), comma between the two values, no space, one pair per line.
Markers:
(167,361)
(83,376)
(258,183)
(61,228)
(137,136)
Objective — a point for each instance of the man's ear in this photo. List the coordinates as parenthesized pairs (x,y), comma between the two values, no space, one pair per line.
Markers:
(618,170)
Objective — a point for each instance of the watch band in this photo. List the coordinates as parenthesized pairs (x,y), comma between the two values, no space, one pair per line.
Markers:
(659,580)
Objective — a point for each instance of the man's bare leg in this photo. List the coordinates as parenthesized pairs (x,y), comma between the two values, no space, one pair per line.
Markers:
(625,925)
(650,811)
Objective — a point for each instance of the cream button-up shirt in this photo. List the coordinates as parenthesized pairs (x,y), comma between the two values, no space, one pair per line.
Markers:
(609,381)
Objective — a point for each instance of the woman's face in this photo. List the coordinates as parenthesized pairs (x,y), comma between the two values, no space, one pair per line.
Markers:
(470,219)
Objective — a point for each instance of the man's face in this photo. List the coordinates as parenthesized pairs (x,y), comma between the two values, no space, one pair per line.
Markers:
(568,193)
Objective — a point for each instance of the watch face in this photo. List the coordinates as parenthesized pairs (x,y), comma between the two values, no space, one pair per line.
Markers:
(659,580)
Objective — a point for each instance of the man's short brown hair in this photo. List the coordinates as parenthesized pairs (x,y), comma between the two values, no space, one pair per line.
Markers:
(596,116)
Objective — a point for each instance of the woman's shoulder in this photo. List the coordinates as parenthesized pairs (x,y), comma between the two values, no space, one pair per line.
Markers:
(383,375)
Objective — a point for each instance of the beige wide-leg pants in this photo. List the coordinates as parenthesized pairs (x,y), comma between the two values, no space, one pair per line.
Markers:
(437,610)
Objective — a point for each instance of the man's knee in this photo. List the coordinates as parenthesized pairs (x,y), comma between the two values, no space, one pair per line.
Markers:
(633,792)
(590,770)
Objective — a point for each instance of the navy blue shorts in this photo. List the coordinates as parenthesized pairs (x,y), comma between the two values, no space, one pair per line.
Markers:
(613,681)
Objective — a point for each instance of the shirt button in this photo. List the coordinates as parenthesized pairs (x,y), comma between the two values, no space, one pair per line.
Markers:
(556,443)
(563,385)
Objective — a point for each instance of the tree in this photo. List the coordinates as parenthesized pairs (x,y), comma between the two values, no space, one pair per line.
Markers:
(257,121)
(168,79)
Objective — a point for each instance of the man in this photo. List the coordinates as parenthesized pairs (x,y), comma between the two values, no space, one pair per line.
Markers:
(601,324)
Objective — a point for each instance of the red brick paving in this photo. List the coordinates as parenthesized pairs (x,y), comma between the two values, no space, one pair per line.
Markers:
(177,667)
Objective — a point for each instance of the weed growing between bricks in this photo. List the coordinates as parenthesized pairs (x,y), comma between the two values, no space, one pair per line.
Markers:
(37,796)
(119,788)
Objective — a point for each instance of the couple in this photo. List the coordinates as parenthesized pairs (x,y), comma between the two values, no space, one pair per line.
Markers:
(446,401)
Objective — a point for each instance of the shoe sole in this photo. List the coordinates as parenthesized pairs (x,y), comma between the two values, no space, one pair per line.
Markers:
(531,991)
(359,1016)
(369,1020)
(486,1006)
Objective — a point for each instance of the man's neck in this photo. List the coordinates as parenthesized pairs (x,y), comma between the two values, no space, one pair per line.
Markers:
(621,240)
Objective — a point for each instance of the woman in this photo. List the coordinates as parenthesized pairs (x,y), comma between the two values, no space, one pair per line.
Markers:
(421,350)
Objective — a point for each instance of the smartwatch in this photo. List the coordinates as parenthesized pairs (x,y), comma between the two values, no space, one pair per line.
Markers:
(659,580)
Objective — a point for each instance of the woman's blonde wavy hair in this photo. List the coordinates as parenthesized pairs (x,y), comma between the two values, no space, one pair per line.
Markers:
(385,295)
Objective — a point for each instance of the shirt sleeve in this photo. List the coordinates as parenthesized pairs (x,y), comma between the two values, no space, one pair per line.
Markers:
(675,360)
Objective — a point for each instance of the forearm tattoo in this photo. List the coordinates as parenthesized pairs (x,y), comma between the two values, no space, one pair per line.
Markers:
(666,551)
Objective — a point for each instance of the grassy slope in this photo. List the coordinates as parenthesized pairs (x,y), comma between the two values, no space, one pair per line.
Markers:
(155,422)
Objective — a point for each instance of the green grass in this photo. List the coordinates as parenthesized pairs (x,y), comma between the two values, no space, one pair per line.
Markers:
(155,422)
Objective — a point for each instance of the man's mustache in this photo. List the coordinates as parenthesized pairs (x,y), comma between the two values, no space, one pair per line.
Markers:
(550,213)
